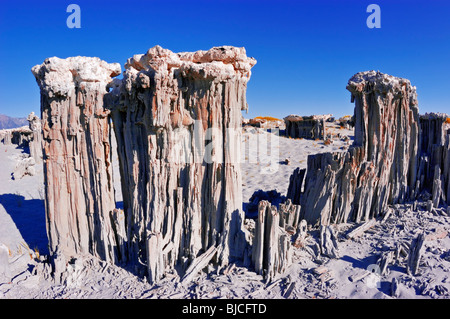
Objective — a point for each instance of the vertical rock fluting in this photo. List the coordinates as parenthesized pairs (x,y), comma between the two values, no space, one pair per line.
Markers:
(271,249)
(335,185)
(79,198)
(387,127)
(295,185)
(380,168)
(433,168)
(177,120)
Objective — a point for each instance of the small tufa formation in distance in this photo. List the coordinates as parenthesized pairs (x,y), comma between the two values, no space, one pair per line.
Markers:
(309,127)
(35,143)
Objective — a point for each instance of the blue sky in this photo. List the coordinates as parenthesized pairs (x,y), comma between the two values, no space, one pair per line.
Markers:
(306,50)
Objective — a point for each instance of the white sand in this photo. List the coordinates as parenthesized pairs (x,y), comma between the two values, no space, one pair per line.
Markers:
(22,216)
(264,154)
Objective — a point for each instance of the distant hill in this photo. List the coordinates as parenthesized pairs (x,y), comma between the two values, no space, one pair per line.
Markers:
(12,122)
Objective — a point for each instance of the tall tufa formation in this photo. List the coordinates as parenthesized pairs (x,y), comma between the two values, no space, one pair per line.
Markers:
(387,127)
(177,120)
(79,197)
(379,169)
(433,168)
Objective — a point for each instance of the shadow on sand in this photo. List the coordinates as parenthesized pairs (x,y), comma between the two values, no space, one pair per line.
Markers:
(29,217)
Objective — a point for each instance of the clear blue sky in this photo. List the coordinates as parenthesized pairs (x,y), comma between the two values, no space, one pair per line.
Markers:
(306,50)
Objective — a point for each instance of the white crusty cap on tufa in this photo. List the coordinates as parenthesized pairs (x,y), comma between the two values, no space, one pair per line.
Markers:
(224,61)
(59,76)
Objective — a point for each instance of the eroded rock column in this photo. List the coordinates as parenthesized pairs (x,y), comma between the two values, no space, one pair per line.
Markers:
(35,143)
(309,127)
(275,230)
(387,127)
(433,168)
(380,168)
(177,119)
(79,193)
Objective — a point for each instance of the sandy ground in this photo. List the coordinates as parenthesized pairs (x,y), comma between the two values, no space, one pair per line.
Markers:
(264,157)
(355,274)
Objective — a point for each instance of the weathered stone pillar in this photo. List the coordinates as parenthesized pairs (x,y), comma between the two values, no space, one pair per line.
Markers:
(271,249)
(177,120)
(387,127)
(35,143)
(433,168)
(309,127)
(79,193)
(379,169)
